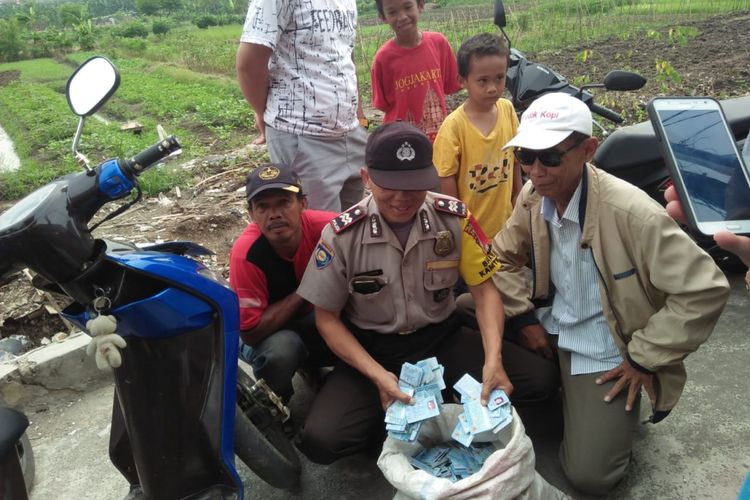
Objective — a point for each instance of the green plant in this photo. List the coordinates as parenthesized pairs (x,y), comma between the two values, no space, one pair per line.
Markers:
(11,45)
(148,7)
(85,35)
(581,80)
(584,55)
(72,14)
(133,47)
(681,34)
(135,29)
(666,74)
(160,27)
(205,21)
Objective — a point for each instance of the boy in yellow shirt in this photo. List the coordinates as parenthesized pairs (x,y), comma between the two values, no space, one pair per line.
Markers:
(468,148)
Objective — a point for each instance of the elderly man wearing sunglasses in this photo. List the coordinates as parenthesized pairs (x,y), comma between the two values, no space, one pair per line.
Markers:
(618,295)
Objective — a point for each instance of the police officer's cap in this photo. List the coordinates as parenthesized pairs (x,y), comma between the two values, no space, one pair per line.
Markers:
(272,176)
(399,156)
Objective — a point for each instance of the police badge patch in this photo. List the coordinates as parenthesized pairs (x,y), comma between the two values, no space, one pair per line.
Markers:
(323,255)
(444,243)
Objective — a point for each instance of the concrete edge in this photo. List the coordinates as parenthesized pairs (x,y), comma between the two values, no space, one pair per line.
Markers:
(56,366)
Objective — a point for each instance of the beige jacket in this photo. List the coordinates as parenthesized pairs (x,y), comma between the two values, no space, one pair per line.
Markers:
(661,293)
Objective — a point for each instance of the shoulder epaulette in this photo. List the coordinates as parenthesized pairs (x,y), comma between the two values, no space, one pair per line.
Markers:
(347,219)
(451,206)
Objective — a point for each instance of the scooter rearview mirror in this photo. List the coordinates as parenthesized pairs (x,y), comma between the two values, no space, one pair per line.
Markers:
(91,85)
(88,88)
(499,15)
(623,80)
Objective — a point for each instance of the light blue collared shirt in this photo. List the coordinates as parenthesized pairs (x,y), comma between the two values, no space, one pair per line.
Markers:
(576,315)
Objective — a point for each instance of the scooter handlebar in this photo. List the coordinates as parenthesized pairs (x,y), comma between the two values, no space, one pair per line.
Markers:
(153,154)
(606,113)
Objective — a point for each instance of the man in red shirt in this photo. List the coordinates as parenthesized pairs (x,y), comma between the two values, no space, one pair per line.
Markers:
(265,267)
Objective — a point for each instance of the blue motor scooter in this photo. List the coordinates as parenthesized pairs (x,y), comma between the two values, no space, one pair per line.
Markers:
(179,412)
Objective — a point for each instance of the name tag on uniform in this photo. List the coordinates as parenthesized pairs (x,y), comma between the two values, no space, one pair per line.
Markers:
(435,265)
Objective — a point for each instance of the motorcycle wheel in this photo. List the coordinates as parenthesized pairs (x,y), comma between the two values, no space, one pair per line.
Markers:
(26,458)
(267,452)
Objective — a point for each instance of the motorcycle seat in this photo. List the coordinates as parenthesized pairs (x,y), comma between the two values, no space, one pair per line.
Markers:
(14,424)
(626,147)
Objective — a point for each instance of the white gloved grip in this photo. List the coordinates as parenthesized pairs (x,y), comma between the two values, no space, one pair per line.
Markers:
(105,342)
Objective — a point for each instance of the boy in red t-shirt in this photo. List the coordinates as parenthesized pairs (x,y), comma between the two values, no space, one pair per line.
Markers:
(413,71)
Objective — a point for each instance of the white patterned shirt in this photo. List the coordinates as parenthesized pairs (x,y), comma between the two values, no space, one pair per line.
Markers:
(576,315)
(312,79)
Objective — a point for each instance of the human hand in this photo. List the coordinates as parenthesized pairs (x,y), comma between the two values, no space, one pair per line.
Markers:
(536,339)
(105,350)
(738,245)
(674,206)
(494,377)
(630,377)
(261,126)
(388,390)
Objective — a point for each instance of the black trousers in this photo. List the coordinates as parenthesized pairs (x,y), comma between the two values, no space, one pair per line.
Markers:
(346,416)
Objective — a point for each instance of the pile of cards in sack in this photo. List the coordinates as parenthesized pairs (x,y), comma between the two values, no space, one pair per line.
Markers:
(452,461)
(478,420)
(422,381)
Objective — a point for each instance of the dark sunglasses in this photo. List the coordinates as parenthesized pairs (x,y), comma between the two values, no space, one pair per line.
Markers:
(549,157)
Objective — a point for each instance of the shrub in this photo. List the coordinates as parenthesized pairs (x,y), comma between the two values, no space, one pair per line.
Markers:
(205,21)
(134,29)
(11,44)
(85,35)
(160,27)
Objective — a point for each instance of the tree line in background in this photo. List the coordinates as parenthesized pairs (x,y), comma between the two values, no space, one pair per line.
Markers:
(31,29)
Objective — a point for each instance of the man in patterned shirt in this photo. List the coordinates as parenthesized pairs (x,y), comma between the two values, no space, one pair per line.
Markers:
(295,68)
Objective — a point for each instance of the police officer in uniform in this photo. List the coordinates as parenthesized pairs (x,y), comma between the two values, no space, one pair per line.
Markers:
(381,281)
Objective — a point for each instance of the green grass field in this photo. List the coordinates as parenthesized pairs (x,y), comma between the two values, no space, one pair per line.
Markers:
(186,81)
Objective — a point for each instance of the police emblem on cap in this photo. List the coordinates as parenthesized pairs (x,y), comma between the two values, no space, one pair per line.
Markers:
(406,152)
(269,173)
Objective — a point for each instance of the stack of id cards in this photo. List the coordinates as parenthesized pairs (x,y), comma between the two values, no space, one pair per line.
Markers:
(422,381)
(476,420)
(452,461)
